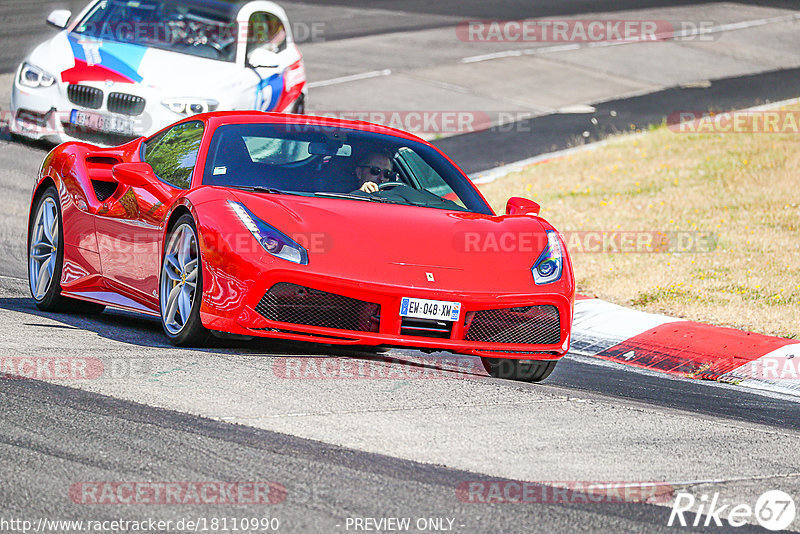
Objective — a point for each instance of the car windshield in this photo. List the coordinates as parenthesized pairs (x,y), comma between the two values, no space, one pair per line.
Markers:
(332,162)
(206,28)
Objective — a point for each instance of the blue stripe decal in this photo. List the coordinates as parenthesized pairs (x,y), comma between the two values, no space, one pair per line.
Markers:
(121,58)
(268,92)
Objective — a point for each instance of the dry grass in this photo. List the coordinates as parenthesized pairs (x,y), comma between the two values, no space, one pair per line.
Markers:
(743,188)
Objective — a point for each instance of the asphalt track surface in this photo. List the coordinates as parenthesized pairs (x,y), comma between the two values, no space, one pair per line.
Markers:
(52,435)
(89,433)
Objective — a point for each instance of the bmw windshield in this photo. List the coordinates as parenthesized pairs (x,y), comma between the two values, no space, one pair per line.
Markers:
(337,163)
(205,28)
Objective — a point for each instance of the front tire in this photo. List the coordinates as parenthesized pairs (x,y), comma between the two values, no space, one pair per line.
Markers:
(181,287)
(522,370)
(46,258)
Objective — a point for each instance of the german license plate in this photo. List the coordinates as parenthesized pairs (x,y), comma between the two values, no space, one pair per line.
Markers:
(102,123)
(430,309)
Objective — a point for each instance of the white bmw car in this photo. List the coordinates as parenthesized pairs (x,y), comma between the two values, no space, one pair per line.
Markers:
(126,68)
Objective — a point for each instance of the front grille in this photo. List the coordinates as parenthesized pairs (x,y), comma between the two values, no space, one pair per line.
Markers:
(103,190)
(529,325)
(126,104)
(291,303)
(425,328)
(85,96)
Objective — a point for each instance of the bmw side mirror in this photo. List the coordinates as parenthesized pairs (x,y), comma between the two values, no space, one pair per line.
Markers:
(522,206)
(261,57)
(59,18)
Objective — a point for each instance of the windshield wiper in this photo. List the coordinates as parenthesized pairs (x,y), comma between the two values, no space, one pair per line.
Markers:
(259,189)
(368,198)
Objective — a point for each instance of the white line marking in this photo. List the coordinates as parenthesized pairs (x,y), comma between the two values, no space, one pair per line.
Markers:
(13,278)
(661,37)
(351,78)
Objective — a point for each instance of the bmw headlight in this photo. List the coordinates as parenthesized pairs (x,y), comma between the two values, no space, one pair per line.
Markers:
(550,263)
(190,106)
(273,240)
(32,76)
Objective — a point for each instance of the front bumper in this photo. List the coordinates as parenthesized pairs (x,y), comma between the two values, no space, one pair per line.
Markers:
(45,114)
(506,331)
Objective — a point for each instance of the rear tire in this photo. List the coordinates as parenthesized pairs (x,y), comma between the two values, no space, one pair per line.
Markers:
(522,370)
(181,287)
(46,258)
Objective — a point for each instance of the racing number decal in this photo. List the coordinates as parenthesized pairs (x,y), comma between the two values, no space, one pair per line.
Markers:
(268,92)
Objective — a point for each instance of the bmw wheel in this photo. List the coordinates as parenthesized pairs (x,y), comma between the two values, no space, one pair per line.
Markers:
(181,286)
(522,370)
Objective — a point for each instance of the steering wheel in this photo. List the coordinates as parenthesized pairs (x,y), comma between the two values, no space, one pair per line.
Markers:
(389,185)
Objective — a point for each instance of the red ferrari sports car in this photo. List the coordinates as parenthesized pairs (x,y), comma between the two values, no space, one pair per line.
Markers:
(300,228)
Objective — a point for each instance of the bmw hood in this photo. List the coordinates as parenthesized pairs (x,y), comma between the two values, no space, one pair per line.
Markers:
(370,241)
(73,59)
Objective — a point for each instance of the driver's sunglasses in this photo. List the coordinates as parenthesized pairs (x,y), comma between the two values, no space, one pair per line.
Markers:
(377,171)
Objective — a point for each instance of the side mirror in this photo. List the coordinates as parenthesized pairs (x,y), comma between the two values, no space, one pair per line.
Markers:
(522,206)
(261,57)
(133,174)
(59,18)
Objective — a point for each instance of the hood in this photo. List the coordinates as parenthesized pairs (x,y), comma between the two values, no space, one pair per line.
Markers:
(402,244)
(75,60)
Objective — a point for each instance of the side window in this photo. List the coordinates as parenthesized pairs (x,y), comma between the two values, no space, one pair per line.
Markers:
(265,30)
(173,154)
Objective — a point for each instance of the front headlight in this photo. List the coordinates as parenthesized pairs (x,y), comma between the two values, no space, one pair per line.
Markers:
(550,263)
(190,106)
(32,76)
(273,240)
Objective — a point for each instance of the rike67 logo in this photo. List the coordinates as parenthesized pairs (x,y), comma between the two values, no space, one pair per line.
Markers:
(774,510)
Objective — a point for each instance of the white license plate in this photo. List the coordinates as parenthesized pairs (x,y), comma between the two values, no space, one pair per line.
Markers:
(102,123)
(430,309)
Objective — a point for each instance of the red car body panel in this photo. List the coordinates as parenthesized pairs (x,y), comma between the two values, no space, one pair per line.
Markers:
(373,252)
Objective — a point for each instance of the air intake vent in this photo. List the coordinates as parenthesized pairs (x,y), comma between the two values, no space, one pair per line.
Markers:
(103,190)
(425,328)
(290,303)
(529,325)
(126,104)
(85,96)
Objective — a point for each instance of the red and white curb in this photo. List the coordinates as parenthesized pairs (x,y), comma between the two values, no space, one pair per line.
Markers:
(685,348)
